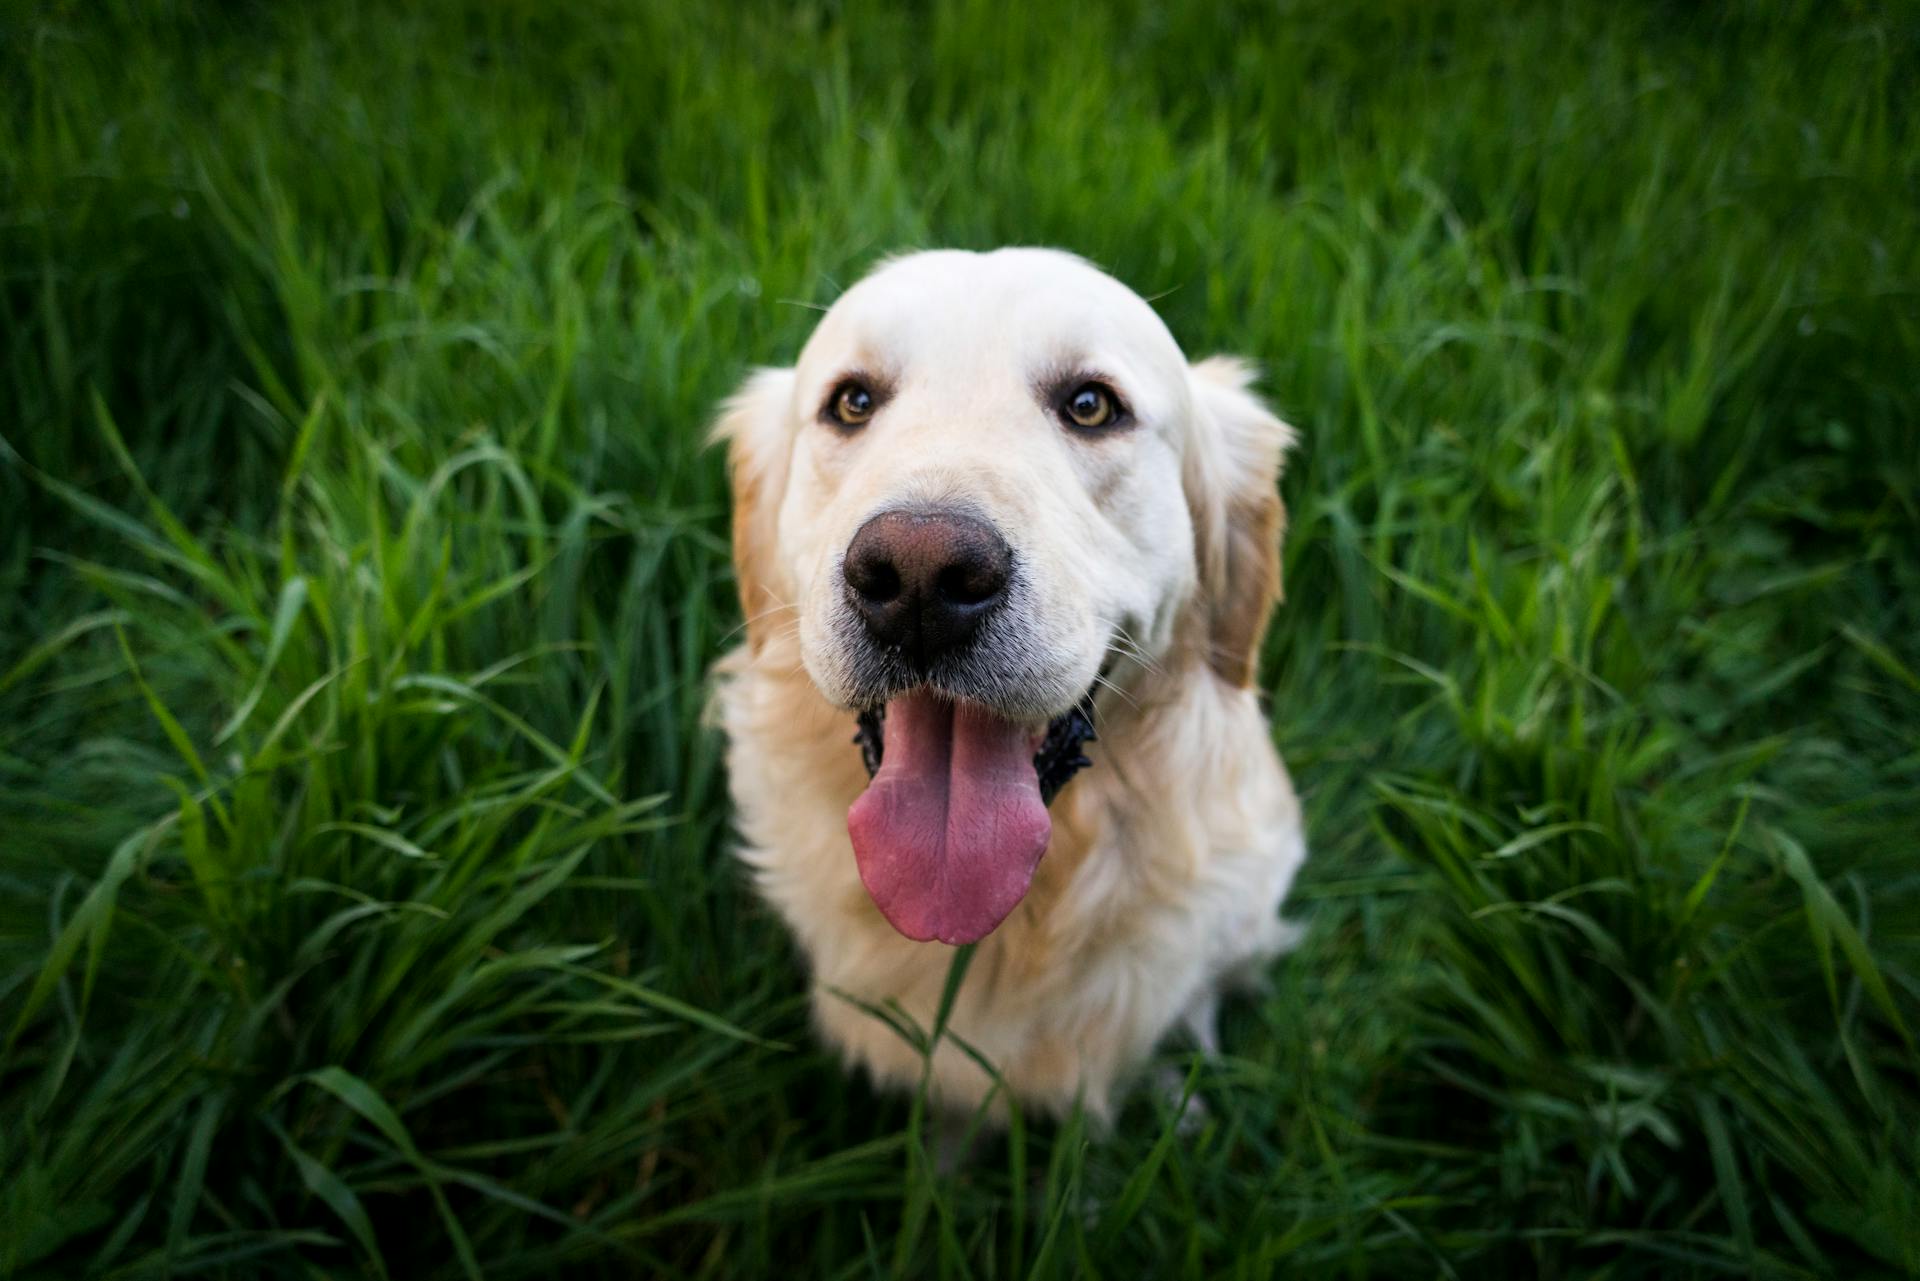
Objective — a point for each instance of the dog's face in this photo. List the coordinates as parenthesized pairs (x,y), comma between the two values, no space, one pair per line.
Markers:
(989,480)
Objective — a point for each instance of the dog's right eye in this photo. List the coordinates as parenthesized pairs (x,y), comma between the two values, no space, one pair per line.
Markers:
(851,404)
(1090,406)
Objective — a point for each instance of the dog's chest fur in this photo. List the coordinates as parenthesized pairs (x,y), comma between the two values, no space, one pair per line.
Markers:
(1161,884)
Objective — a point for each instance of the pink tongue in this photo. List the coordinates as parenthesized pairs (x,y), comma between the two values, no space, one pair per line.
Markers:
(948,833)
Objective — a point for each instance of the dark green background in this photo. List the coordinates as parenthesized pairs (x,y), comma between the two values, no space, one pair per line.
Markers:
(364,897)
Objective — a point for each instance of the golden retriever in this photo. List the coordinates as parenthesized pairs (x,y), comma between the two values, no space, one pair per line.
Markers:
(1000,545)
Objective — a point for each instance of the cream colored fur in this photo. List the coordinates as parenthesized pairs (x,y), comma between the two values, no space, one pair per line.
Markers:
(1170,856)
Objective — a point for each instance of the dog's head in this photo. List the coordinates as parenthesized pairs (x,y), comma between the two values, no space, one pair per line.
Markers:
(991,482)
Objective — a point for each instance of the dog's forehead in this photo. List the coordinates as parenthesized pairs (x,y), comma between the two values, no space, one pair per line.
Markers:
(1032,306)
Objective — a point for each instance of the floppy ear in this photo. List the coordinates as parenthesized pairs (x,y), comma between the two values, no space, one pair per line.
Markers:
(1230,476)
(753,423)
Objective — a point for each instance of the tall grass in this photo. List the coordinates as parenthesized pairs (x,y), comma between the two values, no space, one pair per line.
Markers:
(365,905)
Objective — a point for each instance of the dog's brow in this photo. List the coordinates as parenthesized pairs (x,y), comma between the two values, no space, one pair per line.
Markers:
(872,360)
(1058,375)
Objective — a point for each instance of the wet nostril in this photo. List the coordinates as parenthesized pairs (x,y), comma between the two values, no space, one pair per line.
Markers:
(968,584)
(877,582)
(874,578)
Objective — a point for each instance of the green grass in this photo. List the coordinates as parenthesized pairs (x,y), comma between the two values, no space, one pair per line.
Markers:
(365,904)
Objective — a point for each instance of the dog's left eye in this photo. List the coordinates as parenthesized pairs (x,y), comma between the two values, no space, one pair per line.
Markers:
(1090,405)
(852,404)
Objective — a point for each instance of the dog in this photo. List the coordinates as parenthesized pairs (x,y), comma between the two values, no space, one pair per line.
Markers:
(998,544)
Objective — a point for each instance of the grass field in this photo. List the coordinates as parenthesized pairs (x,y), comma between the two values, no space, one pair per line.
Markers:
(365,898)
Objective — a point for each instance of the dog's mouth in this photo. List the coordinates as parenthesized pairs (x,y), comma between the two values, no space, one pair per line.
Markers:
(954,822)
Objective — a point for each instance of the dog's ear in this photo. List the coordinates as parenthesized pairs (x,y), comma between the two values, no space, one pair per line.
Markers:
(1231,473)
(754,424)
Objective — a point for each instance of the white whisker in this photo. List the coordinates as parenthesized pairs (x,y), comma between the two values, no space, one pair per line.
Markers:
(777,607)
(1118,693)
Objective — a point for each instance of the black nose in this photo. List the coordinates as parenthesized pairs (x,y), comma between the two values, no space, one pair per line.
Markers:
(923,581)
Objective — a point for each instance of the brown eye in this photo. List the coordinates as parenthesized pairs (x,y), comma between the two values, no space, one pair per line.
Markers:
(1090,406)
(852,405)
